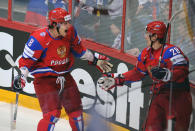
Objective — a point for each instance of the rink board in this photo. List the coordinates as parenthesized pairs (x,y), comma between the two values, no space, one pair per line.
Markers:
(124,108)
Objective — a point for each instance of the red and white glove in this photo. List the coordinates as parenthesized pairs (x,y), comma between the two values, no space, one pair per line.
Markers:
(19,83)
(108,82)
(102,63)
(20,80)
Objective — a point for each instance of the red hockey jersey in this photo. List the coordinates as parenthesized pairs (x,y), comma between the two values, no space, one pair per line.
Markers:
(173,59)
(44,55)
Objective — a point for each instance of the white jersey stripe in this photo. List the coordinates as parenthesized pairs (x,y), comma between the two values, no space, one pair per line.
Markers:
(43,70)
(29,50)
(26,56)
(178,59)
(80,123)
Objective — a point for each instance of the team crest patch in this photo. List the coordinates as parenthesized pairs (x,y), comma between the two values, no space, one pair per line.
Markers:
(61,50)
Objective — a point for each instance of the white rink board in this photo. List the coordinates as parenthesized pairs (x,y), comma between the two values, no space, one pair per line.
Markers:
(27,119)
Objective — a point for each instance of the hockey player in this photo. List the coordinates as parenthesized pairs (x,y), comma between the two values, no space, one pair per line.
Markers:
(49,55)
(172,73)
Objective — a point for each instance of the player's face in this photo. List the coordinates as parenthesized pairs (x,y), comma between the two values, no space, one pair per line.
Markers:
(64,26)
(147,37)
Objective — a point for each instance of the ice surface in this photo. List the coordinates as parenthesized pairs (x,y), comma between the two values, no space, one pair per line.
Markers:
(27,119)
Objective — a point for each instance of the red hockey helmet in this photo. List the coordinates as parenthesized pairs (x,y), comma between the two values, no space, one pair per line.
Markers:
(156,27)
(58,15)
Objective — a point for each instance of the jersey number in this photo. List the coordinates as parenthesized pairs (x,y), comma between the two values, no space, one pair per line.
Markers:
(175,51)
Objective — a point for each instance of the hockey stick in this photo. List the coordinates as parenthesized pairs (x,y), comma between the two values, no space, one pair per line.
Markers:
(12,63)
(170,117)
(15,111)
(165,35)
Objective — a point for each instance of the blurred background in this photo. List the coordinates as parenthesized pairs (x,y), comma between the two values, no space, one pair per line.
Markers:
(117,24)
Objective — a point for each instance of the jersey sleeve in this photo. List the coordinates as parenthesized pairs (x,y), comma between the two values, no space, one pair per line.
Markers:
(179,63)
(138,72)
(32,52)
(77,47)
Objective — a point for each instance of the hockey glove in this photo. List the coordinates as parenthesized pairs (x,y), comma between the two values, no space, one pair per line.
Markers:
(19,83)
(160,73)
(102,63)
(107,83)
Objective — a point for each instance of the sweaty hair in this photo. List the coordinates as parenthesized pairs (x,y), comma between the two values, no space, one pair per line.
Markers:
(159,39)
(51,26)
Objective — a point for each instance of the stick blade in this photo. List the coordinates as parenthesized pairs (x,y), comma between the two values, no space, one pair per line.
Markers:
(10,60)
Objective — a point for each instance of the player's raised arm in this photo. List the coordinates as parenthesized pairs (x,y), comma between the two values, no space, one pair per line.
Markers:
(112,80)
(77,48)
(100,61)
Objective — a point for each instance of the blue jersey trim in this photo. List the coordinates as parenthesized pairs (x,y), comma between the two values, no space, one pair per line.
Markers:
(34,44)
(77,54)
(169,54)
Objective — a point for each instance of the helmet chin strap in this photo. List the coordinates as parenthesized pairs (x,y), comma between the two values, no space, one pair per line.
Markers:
(57,28)
(152,42)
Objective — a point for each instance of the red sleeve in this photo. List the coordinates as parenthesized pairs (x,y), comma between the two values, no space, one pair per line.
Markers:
(180,73)
(177,63)
(77,47)
(32,52)
(133,75)
(139,71)
(23,62)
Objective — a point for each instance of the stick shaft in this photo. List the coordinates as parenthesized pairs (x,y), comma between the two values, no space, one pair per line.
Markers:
(12,63)
(165,36)
(13,121)
(16,107)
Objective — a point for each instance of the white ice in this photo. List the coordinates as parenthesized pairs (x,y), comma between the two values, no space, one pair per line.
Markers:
(27,119)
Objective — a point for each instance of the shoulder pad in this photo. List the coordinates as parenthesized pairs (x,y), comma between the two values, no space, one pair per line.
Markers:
(171,51)
(33,44)
(41,36)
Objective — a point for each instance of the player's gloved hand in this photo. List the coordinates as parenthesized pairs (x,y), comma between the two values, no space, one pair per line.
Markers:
(102,63)
(160,73)
(107,83)
(19,83)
